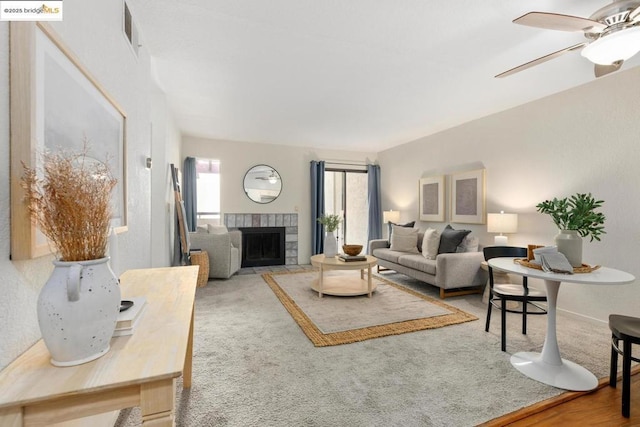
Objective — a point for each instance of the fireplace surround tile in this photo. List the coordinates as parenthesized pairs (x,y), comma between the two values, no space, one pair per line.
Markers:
(288,220)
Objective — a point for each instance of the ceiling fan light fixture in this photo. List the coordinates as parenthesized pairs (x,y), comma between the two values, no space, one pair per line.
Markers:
(618,46)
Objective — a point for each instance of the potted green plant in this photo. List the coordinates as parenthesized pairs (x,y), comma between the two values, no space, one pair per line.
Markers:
(330,223)
(575,217)
(69,198)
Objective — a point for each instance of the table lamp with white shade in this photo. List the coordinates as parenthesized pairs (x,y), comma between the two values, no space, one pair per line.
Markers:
(502,223)
(390,216)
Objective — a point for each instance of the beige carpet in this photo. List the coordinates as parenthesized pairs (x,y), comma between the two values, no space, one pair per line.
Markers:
(331,320)
(253,366)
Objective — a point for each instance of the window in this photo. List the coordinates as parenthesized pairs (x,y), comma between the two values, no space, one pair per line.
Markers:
(208,191)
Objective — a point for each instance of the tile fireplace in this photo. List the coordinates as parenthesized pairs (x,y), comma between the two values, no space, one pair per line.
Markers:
(287,221)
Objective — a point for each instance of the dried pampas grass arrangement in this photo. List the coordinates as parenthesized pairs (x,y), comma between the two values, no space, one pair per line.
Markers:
(70,201)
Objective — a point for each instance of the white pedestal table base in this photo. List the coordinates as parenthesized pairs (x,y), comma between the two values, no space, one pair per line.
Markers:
(568,375)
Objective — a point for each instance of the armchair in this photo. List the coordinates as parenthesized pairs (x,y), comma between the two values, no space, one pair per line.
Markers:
(223,247)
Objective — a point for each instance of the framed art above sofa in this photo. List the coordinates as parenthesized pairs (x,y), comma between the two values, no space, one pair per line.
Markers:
(431,199)
(468,197)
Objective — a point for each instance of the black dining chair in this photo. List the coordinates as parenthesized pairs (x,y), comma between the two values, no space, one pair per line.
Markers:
(501,293)
(627,329)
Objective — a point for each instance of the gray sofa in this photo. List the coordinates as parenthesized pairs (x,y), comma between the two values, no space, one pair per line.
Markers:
(454,273)
(223,247)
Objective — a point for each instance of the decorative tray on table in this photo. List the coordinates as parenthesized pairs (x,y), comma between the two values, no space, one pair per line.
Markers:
(582,269)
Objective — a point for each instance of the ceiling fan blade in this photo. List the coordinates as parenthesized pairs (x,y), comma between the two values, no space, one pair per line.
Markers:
(540,60)
(556,21)
(602,70)
(634,14)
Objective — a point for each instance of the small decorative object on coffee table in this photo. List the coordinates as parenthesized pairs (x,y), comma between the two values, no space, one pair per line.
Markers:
(352,250)
(330,223)
(352,258)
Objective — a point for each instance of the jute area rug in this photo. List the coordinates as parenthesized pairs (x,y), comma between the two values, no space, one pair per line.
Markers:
(333,320)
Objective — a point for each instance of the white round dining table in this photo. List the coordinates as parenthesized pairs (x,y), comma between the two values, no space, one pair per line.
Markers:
(548,366)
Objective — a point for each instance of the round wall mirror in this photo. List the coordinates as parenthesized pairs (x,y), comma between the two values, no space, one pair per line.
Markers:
(262,184)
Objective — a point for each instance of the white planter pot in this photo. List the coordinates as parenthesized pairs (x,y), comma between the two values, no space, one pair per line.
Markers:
(569,243)
(330,245)
(77,311)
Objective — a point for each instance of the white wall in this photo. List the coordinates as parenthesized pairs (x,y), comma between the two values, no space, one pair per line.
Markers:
(165,150)
(583,140)
(93,31)
(292,163)
(18,324)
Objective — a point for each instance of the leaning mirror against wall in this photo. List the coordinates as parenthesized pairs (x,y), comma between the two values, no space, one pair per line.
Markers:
(262,184)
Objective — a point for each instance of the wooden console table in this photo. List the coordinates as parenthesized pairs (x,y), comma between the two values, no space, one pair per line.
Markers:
(139,369)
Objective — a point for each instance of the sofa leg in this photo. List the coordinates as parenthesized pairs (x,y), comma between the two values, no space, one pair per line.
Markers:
(460,291)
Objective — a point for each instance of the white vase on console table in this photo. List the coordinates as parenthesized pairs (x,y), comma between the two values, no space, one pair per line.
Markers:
(77,311)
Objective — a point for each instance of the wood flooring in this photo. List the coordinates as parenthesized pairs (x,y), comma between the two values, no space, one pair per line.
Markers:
(601,407)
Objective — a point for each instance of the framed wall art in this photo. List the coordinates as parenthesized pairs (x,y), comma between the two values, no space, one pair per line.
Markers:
(431,199)
(468,197)
(56,105)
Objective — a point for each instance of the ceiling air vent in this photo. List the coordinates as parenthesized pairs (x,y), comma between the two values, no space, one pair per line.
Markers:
(130,30)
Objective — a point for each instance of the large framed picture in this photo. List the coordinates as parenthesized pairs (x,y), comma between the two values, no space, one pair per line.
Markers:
(56,104)
(468,197)
(431,199)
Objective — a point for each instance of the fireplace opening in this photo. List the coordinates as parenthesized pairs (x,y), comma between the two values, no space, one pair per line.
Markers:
(263,246)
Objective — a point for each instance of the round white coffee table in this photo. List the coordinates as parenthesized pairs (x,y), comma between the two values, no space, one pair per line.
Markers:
(343,285)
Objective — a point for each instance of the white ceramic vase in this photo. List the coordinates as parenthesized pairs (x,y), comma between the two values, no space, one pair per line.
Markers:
(569,243)
(330,245)
(77,311)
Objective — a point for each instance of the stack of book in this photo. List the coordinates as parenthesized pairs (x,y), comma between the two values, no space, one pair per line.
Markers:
(129,318)
(351,258)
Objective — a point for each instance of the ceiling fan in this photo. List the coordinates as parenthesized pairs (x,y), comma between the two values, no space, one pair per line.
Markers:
(613,32)
(273,177)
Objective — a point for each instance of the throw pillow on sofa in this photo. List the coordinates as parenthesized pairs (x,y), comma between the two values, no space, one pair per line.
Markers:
(217,229)
(430,243)
(391,224)
(469,244)
(404,239)
(451,239)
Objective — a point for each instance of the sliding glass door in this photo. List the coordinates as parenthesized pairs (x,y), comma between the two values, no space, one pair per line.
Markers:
(346,195)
